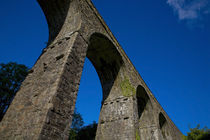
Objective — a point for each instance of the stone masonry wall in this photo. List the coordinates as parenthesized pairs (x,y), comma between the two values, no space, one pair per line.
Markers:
(43,107)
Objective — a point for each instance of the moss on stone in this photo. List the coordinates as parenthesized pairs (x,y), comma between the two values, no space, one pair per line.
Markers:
(137,135)
(184,137)
(127,89)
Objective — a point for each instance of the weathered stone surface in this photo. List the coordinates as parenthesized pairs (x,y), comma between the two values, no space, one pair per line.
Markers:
(43,107)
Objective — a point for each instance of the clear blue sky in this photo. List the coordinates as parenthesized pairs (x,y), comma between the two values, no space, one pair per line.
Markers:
(168,42)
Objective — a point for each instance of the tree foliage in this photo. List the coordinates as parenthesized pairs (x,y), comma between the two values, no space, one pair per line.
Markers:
(11,77)
(88,132)
(77,123)
(80,132)
(198,134)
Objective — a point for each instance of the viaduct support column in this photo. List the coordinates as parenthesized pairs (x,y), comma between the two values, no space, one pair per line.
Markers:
(44,105)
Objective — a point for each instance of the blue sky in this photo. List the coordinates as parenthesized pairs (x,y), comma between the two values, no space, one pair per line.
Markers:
(168,41)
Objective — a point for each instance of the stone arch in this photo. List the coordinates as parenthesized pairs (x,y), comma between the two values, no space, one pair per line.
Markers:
(106,59)
(144,105)
(164,127)
(56,13)
(142,100)
(145,114)
(107,62)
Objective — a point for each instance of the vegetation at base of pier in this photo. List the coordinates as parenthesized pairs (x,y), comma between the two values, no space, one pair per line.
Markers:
(80,132)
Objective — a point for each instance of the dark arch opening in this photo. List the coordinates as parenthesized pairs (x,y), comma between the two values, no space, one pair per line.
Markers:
(142,100)
(164,127)
(55,12)
(145,120)
(162,120)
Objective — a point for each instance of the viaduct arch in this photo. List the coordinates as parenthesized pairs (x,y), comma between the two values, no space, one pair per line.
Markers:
(44,105)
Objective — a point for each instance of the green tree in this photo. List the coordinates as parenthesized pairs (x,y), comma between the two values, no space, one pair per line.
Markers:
(11,77)
(88,132)
(80,132)
(77,123)
(198,134)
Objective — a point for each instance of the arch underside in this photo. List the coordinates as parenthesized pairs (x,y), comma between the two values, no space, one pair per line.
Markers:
(165,128)
(106,60)
(115,121)
(145,123)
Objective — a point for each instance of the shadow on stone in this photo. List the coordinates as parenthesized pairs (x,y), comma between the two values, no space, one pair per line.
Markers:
(106,59)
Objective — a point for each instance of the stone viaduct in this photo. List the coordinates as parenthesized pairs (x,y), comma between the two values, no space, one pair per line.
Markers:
(43,107)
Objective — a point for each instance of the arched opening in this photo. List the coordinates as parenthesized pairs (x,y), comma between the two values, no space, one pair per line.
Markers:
(107,62)
(142,100)
(145,114)
(56,12)
(88,104)
(162,120)
(89,95)
(164,127)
